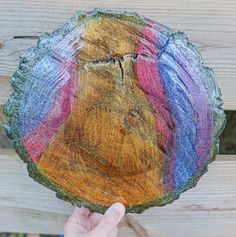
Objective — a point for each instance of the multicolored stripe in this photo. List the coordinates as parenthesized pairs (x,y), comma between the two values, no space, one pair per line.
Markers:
(41,118)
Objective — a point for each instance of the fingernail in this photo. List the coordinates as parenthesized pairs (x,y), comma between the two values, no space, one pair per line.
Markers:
(115,212)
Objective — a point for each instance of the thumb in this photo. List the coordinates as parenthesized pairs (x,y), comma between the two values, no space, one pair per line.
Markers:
(110,220)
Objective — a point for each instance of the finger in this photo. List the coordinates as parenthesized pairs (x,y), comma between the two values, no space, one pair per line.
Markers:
(110,220)
(80,211)
(79,219)
(95,218)
(114,232)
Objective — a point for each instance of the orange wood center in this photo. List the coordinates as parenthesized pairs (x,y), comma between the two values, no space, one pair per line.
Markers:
(107,149)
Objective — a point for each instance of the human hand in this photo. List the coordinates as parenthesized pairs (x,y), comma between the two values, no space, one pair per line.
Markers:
(83,223)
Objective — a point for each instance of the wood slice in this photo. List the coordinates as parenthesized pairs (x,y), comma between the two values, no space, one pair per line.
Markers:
(114,107)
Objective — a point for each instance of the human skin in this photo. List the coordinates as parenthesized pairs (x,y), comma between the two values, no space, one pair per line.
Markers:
(83,223)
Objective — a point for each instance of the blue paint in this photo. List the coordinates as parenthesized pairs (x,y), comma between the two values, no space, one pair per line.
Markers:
(183,117)
(41,90)
(189,69)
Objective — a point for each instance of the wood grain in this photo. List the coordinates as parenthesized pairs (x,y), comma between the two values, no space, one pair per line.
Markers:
(87,154)
(227,86)
(5,142)
(210,25)
(209,208)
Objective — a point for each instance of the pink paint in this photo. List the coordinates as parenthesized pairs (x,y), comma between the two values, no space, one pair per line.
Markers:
(148,76)
(37,141)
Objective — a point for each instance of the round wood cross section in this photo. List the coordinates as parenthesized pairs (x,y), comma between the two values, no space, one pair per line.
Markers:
(114,107)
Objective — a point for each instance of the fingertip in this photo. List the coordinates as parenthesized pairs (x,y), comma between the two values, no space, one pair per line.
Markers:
(119,207)
(114,213)
(109,220)
(85,210)
(80,211)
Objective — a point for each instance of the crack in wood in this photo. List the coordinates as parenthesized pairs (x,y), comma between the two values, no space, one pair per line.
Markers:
(114,59)
(25,37)
(136,227)
(122,76)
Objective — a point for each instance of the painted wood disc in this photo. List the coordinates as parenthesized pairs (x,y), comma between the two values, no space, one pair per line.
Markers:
(115,107)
